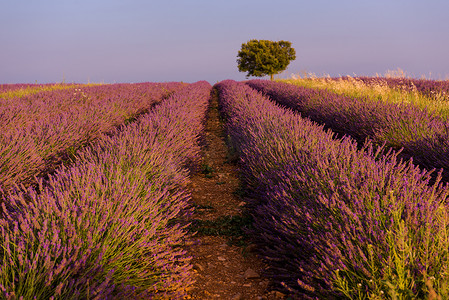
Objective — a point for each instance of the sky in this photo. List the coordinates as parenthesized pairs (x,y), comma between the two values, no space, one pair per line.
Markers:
(173,40)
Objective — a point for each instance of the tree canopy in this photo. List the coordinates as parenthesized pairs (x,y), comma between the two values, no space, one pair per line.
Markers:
(264,57)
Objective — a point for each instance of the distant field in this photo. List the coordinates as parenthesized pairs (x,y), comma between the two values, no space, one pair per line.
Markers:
(18,90)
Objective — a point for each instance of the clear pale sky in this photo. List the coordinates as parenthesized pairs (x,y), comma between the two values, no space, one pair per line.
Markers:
(173,40)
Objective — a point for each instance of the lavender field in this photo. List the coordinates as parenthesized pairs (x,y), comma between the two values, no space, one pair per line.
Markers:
(418,133)
(348,195)
(104,225)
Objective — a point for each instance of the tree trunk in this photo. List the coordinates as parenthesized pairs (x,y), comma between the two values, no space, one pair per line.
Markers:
(271,77)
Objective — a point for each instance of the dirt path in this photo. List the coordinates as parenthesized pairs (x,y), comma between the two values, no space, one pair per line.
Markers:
(225,264)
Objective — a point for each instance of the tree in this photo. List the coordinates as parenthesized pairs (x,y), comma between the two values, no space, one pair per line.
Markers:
(263,57)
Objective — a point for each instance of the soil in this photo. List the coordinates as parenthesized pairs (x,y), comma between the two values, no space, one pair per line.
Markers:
(225,262)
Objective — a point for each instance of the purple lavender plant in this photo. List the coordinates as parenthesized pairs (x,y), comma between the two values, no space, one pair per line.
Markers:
(334,221)
(39,131)
(108,226)
(421,135)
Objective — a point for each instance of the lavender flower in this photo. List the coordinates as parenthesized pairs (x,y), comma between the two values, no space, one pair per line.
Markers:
(109,225)
(331,219)
(41,130)
(420,134)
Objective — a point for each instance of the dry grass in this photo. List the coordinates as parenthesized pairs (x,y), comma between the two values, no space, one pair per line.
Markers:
(37,89)
(354,87)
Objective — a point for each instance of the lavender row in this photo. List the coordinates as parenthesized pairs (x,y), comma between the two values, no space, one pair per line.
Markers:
(334,221)
(109,226)
(433,88)
(422,135)
(39,130)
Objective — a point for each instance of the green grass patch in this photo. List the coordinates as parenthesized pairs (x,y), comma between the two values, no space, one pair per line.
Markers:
(233,227)
(204,206)
(207,170)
